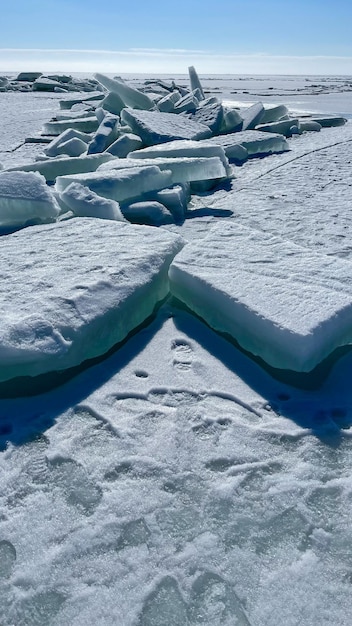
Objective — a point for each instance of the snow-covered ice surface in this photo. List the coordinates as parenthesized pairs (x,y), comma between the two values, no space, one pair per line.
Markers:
(177,482)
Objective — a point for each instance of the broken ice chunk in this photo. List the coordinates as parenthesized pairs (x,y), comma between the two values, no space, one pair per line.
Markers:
(148,212)
(106,134)
(279,127)
(89,283)
(255,142)
(252,116)
(155,127)
(125,144)
(284,303)
(211,115)
(112,103)
(53,148)
(85,203)
(167,103)
(25,199)
(122,184)
(273,113)
(328,121)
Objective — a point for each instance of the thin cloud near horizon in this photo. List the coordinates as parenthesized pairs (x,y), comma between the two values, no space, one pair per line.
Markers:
(140,60)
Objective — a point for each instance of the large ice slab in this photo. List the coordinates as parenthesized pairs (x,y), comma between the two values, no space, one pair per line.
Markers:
(122,184)
(183,169)
(155,127)
(51,168)
(210,115)
(256,142)
(89,283)
(184,148)
(24,199)
(287,304)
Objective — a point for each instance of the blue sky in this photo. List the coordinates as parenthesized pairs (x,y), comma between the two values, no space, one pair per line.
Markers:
(225,36)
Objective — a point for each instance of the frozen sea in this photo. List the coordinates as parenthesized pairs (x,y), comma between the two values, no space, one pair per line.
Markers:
(177,482)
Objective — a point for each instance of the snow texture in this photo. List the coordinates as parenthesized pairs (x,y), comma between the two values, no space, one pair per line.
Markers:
(88,285)
(286,304)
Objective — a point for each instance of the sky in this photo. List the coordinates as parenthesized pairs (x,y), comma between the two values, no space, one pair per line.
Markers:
(160,36)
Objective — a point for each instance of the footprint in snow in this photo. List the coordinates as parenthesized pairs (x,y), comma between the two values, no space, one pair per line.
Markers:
(77,487)
(183,354)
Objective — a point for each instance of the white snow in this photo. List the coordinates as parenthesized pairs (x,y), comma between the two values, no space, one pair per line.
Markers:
(88,285)
(25,199)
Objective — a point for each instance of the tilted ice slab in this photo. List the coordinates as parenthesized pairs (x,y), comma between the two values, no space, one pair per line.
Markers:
(122,184)
(154,127)
(184,148)
(130,96)
(289,305)
(84,124)
(25,198)
(183,169)
(52,168)
(89,283)
(256,142)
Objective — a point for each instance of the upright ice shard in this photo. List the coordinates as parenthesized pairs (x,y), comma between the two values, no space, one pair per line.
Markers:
(194,80)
